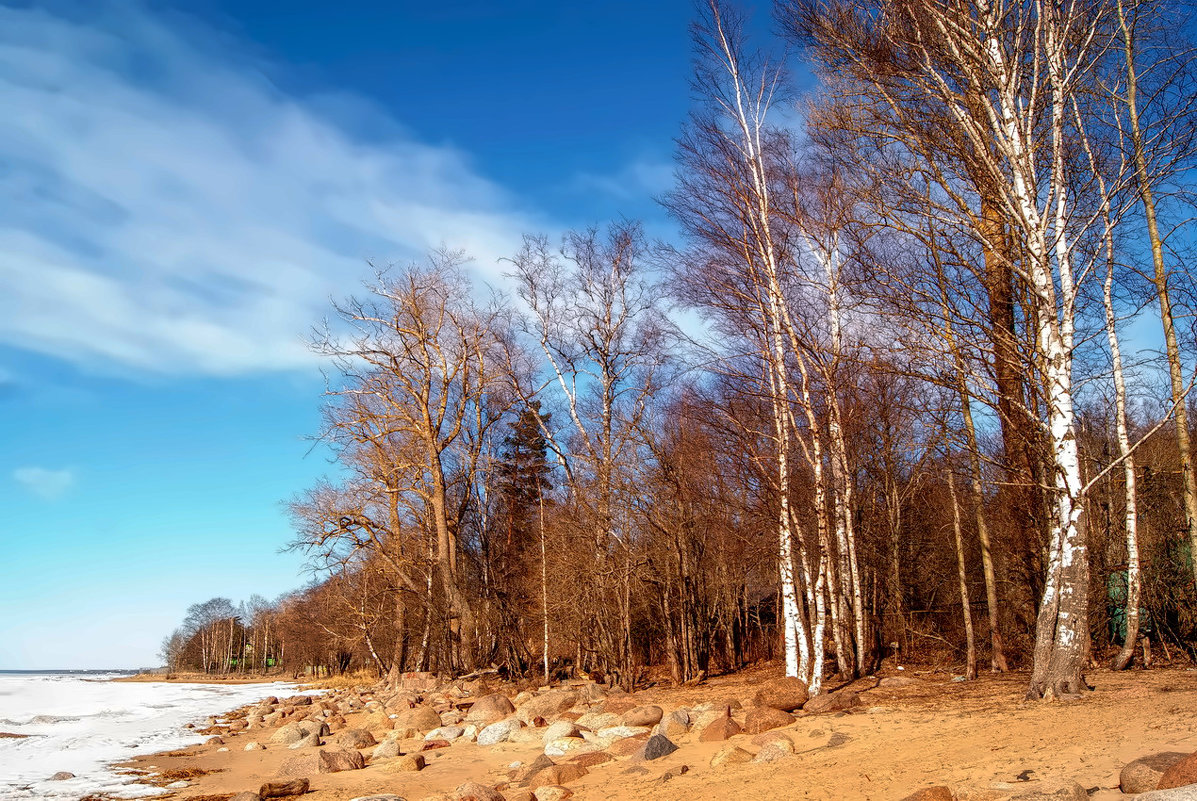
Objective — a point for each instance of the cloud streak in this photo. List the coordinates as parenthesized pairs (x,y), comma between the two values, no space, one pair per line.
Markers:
(46,484)
(168,210)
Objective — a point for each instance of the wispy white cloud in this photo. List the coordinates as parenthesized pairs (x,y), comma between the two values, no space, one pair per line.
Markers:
(46,484)
(167,209)
(640,178)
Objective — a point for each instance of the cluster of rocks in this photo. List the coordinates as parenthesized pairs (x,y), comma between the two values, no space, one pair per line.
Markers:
(576,728)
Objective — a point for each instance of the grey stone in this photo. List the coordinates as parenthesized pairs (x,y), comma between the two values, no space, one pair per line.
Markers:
(658,746)
(499,732)
(1186,793)
(308,741)
(387,749)
(562,728)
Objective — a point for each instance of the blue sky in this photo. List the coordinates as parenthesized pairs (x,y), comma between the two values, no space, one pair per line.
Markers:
(183,186)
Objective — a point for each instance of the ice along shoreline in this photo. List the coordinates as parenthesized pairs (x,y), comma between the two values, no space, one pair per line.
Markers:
(86,723)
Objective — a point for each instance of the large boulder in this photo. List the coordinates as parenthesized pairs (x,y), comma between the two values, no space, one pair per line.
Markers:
(562,728)
(1183,772)
(472,791)
(622,732)
(675,723)
(546,705)
(499,732)
(598,720)
(289,733)
(719,729)
(490,709)
(1144,773)
(420,718)
(731,755)
(448,733)
(628,746)
(356,738)
(408,764)
(642,716)
(335,760)
(311,740)
(831,702)
(557,774)
(764,718)
(786,694)
(387,749)
(658,746)
(316,727)
(378,720)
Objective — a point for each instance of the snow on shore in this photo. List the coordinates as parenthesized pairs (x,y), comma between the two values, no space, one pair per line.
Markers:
(83,723)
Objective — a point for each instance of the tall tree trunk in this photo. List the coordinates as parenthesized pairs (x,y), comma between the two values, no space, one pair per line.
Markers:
(970,669)
(544,583)
(1167,317)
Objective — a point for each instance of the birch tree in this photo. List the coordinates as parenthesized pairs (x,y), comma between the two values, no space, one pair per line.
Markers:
(1002,76)
(1160,145)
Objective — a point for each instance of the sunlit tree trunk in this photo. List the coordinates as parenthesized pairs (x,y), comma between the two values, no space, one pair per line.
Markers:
(1146,196)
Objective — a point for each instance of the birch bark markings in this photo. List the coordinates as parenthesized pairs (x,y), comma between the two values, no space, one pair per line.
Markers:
(1146,196)
(1025,58)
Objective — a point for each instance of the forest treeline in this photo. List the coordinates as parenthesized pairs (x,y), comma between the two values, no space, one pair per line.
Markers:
(915,380)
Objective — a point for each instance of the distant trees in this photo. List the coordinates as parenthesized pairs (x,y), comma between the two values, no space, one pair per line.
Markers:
(211,638)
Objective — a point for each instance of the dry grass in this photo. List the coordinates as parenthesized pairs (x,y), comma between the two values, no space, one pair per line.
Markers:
(172,775)
(359,678)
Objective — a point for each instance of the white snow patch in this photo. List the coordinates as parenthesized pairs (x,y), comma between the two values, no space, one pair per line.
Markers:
(83,724)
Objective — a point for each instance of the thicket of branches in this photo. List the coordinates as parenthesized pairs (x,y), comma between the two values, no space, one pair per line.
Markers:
(902,406)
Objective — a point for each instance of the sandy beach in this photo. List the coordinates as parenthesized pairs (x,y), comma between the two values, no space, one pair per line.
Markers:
(914,731)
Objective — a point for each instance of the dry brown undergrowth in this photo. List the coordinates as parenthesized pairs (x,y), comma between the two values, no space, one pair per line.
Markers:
(172,775)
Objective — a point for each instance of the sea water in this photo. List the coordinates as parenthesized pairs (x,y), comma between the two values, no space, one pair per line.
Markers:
(82,722)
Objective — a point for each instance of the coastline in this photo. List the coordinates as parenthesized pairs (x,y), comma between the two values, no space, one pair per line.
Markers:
(73,727)
(912,731)
(205,678)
